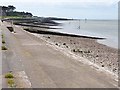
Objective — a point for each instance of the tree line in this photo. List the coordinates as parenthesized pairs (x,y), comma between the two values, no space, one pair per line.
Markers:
(10,11)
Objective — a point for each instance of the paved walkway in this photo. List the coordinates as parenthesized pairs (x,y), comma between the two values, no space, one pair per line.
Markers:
(2,79)
(47,67)
(0,57)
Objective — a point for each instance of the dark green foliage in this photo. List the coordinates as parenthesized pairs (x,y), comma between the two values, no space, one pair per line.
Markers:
(15,13)
(9,11)
(11,8)
(9,75)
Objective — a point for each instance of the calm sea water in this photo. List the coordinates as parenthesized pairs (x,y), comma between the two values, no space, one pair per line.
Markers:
(99,28)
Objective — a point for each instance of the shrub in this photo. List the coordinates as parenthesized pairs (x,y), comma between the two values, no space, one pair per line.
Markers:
(9,75)
(4,48)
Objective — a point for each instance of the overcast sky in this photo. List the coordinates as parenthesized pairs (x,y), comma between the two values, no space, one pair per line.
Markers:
(91,9)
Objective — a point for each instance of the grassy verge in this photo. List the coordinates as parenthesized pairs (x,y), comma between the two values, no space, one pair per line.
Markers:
(3,41)
(4,48)
(11,82)
(10,17)
(2,36)
(9,75)
(10,79)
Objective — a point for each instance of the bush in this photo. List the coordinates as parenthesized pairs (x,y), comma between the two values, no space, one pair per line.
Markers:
(9,75)
(4,48)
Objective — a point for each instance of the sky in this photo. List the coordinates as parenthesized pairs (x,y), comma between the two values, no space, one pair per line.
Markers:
(90,9)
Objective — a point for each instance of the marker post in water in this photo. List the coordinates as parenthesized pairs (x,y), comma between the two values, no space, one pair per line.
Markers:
(79,24)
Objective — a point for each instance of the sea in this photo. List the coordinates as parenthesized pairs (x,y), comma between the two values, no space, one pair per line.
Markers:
(95,28)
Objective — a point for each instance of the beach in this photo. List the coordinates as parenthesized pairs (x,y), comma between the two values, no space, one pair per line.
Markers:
(99,54)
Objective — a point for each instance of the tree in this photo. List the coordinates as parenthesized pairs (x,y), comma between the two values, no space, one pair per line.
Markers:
(28,14)
(4,8)
(11,8)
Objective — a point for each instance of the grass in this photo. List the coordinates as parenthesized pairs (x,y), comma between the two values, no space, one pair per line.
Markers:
(9,75)
(10,17)
(2,36)
(4,48)
(11,82)
(3,41)
(10,79)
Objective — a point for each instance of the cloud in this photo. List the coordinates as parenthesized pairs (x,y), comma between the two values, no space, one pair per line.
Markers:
(63,8)
(106,2)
